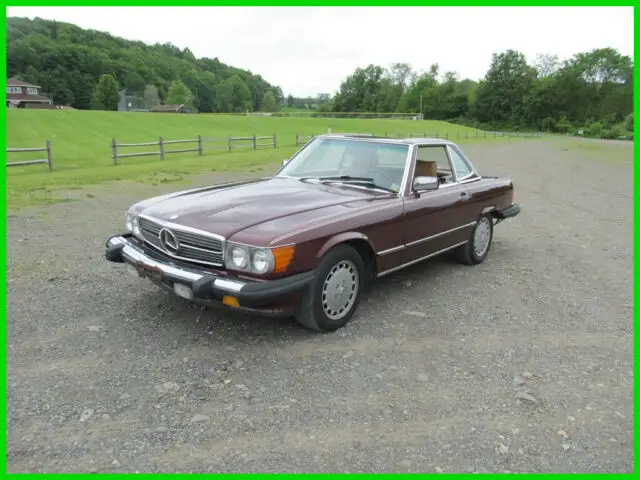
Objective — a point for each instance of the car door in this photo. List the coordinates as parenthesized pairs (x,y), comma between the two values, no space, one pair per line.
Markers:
(433,221)
(466,177)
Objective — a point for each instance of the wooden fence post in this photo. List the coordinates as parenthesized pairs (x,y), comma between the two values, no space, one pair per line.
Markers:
(200,151)
(230,140)
(254,141)
(297,139)
(446,135)
(437,135)
(49,155)
(160,142)
(274,140)
(114,151)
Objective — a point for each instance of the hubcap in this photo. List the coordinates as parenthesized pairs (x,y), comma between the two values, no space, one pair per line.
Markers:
(340,289)
(482,236)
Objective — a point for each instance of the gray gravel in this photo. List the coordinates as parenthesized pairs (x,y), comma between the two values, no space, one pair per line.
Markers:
(521,364)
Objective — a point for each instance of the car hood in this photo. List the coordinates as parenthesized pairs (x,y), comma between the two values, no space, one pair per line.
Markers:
(228,209)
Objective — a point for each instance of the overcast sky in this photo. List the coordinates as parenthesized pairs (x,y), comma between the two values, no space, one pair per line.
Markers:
(311,50)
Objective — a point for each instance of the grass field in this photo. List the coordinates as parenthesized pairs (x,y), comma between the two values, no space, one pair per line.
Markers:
(82,145)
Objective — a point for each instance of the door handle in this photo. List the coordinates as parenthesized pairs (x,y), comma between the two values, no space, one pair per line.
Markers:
(464,196)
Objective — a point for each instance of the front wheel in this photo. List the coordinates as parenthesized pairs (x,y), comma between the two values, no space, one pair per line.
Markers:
(477,248)
(332,298)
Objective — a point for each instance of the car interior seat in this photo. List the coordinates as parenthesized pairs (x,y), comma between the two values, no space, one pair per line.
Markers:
(426,169)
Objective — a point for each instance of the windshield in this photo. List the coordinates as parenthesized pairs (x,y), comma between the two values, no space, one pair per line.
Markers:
(342,160)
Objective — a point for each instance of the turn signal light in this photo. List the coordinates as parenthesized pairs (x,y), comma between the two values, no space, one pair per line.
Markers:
(282,257)
(230,301)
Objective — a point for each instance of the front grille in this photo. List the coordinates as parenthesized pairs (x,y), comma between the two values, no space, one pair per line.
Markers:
(193,247)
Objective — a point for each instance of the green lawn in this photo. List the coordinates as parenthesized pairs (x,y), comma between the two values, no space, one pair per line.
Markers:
(82,145)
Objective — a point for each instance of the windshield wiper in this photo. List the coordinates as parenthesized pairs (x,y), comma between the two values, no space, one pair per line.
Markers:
(356,180)
(348,178)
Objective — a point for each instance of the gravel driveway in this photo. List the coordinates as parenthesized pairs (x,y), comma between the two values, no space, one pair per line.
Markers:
(522,364)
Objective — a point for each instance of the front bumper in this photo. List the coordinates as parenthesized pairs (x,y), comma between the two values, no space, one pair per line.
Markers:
(268,297)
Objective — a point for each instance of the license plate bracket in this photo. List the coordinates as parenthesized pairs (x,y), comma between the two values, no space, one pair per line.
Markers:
(149,271)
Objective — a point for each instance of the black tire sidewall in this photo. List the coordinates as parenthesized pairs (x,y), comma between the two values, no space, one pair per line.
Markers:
(334,256)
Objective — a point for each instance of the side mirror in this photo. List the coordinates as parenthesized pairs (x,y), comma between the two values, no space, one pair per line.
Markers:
(423,184)
(284,162)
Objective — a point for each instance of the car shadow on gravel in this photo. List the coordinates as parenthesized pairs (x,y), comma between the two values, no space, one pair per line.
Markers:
(201,323)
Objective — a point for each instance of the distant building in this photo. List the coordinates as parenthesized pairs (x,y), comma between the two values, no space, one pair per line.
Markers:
(132,102)
(21,94)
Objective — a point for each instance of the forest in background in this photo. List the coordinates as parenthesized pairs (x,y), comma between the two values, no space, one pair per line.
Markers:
(70,62)
(591,91)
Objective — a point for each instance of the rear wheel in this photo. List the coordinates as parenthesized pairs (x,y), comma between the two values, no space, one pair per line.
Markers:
(477,248)
(332,298)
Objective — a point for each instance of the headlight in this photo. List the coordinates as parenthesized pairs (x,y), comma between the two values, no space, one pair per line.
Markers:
(262,261)
(131,224)
(239,257)
(258,260)
(136,227)
(128,221)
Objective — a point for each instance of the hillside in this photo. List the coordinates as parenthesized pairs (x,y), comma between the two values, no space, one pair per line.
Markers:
(67,62)
(82,144)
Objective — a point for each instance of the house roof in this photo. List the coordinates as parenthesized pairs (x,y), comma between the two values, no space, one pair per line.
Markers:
(14,82)
(167,108)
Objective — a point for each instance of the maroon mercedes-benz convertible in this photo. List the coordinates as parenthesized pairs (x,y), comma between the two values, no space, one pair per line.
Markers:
(309,240)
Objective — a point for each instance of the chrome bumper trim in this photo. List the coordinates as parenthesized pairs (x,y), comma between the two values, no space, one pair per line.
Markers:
(132,255)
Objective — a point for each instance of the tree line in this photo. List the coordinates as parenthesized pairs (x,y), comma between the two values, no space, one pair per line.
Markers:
(86,69)
(591,91)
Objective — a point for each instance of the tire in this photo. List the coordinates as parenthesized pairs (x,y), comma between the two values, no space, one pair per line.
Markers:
(477,248)
(340,270)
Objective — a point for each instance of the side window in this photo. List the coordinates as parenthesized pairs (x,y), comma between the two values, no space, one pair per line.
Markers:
(434,162)
(461,167)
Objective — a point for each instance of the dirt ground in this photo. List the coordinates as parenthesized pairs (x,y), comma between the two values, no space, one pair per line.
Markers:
(523,363)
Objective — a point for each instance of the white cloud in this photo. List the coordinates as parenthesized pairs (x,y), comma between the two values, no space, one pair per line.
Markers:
(308,50)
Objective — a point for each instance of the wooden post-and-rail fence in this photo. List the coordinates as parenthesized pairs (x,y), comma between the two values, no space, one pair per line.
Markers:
(46,148)
(225,143)
(162,151)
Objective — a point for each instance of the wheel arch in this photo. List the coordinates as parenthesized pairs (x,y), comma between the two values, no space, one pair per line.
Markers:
(361,243)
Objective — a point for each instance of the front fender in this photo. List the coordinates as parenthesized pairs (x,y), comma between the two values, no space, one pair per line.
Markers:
(341,238)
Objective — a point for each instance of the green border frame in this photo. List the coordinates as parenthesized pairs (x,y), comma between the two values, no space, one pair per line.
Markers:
(476,3)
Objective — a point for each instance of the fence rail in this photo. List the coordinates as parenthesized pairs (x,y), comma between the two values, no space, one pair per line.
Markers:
(47,148)
(200,144)
(253,141)
(162,151)
(303,139)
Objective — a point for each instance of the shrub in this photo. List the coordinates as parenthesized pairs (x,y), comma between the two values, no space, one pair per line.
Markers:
(594,129)
(548,124)
(563,125)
